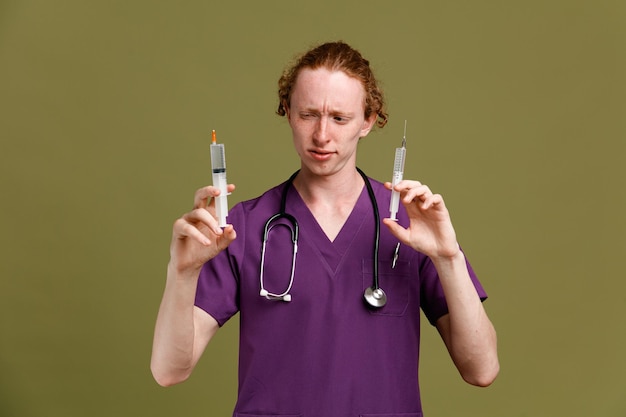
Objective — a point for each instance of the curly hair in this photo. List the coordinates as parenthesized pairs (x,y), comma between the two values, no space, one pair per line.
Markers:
(335,56)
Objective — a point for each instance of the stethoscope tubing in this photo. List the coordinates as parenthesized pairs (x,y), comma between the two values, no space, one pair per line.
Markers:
(269,225)
(374,295)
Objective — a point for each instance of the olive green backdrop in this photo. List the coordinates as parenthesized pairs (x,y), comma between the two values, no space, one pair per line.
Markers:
(516,114)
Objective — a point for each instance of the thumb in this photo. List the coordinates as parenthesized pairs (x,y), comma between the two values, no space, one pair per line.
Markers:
(227,237)
(398,231)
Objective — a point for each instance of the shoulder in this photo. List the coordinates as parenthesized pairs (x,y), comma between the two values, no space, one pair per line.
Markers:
(244,212)
(270,199)
(383,195)
(377,185)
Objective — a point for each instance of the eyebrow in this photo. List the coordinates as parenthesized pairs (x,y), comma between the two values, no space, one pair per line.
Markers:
(330,112)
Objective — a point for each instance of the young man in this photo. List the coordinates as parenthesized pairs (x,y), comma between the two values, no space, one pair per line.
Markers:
(309,343)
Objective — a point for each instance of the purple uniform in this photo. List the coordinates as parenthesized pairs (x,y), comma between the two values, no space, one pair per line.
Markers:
(325,353)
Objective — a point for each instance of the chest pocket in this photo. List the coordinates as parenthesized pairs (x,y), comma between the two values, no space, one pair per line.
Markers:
(395,282)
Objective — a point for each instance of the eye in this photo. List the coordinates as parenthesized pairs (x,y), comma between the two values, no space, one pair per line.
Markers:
(307,115)
(341,119)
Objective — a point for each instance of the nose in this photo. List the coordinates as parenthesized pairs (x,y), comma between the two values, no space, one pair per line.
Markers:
(320,135)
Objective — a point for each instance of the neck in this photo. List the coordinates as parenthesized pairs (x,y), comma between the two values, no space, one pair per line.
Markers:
(330,198)
(339,188)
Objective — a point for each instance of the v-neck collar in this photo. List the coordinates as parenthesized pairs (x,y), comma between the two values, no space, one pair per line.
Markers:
(331,253)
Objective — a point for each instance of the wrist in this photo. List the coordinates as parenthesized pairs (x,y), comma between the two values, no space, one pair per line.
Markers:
(449,257)
(181,273)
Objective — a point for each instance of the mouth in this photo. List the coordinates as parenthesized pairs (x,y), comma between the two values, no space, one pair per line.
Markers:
(320,154)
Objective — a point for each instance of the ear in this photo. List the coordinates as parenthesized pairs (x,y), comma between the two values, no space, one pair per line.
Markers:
(368,124)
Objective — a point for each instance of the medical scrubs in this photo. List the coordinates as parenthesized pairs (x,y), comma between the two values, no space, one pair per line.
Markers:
(325,353)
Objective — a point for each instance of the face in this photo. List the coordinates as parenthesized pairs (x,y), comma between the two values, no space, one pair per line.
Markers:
(326,115)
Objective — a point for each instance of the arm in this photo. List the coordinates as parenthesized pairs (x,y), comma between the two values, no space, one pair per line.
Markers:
(466,330)
(182,330)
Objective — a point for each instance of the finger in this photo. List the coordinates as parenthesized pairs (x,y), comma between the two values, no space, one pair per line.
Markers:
(202,216)
(432,200)
(403,185)
(417,194)
(183,229)
(203,195)
(398,231)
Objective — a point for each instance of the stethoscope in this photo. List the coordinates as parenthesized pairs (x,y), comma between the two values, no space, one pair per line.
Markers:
(374,295)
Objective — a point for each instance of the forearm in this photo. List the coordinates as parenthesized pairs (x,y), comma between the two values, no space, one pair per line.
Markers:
(466,330)
(182,330)
(174,335)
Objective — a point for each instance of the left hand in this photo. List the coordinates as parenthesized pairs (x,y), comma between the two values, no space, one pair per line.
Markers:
(430,229)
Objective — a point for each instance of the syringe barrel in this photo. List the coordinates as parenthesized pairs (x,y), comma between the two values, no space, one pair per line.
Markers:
(398,163)
(218,168)
(398,171)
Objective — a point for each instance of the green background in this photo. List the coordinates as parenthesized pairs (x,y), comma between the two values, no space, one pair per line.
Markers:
(516,114)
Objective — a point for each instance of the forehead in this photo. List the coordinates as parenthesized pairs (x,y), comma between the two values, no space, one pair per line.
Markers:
(321,86)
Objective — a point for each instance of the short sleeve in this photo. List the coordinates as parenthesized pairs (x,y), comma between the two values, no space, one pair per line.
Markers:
(432,298)
(218,285)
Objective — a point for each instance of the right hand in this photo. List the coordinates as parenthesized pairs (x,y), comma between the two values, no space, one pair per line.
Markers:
(196,236)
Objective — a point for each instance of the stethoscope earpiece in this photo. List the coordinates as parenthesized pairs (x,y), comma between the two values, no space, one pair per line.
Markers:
(285,297)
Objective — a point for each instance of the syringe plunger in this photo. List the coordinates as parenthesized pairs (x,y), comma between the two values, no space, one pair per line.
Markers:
(218,157)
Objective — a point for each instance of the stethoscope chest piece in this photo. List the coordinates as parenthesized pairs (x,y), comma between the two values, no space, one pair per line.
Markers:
(375,297)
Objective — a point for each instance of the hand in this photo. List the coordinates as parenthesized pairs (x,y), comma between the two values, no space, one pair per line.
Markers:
(196,236)
(430,229)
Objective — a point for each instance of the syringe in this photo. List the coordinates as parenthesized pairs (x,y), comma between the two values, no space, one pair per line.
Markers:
(398,171)
(218,167)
